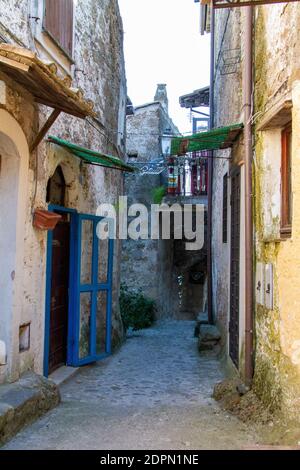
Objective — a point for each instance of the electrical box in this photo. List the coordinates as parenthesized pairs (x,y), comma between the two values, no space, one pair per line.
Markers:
(260,284)
(269,286)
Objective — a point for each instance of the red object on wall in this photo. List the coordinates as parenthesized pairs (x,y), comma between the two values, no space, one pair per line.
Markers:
(45,220)
(172,176)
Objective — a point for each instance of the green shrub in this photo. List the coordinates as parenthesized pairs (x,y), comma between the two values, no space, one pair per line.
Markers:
(158,194)
(137,310)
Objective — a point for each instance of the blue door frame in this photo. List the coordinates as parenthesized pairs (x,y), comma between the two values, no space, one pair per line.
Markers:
(93,287)
(75,289)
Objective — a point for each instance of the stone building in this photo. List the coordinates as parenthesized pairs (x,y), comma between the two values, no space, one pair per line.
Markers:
(228,82)
(163,269)
(146,263)
(59,289)
(256,82)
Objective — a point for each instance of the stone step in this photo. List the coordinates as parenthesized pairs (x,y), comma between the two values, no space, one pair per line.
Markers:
(24,401)
(209,337)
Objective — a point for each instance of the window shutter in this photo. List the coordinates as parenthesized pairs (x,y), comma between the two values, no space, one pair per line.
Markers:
(286,182)
(58,21)
(66,28)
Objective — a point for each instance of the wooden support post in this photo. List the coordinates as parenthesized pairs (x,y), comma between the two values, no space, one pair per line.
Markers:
(50,121)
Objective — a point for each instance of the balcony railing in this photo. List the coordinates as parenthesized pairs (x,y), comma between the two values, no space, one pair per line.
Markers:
(188,174)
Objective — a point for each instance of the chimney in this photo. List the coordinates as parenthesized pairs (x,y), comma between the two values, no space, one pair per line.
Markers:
(161,96)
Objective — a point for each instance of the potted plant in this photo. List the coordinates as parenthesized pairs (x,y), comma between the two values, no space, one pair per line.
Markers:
(45,220)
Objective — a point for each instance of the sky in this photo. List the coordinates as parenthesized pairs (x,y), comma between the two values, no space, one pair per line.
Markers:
(163,45)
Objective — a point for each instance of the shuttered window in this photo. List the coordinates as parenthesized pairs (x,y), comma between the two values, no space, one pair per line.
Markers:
(58,22)
(286,182)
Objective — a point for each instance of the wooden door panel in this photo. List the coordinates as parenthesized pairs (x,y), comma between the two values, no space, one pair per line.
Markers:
(235,270)
(59,296)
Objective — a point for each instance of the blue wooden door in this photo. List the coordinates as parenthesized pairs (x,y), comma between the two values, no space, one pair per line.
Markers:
(91,293)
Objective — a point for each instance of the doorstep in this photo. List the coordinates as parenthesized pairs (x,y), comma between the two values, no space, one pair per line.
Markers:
(64,373)
(24,401)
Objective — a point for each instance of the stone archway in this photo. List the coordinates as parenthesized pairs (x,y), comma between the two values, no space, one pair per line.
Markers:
(13,198)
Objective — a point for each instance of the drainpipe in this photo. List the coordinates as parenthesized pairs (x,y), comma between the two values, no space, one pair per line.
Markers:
(210,172)
(248,85)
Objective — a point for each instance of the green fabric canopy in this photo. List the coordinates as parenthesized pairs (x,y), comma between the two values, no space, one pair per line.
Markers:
(219,138)
(92,157)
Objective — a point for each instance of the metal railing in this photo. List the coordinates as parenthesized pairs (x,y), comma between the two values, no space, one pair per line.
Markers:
(188,174)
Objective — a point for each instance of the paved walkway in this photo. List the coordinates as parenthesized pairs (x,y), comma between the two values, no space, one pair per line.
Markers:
(153,394)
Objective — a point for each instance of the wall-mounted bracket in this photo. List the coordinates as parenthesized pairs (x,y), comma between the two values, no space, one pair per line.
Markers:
(49,123)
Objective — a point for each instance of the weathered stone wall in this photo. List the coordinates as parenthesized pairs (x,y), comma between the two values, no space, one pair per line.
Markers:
(228,109)
(277,47)
(15,23)
(99,70)
(146,264)
(143,131)
(276,78)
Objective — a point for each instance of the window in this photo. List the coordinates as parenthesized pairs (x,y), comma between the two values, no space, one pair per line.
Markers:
(225,202)
(286,182)
(58,23)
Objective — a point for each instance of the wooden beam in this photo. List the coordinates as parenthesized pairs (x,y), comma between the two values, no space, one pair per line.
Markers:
(12,48)
(50,121)
(14,64)
(217,4)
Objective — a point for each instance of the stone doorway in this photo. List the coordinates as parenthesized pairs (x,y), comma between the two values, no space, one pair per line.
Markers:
(59,294)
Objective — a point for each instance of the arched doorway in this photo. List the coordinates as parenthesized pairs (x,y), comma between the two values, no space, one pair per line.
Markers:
(9,174)
(56,188)
(60,261)
(79,285)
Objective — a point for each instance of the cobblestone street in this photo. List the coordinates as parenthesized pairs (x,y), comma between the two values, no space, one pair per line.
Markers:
(155,393)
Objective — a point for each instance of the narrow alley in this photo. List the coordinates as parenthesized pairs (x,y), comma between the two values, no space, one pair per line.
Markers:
(155,393)
(149,227)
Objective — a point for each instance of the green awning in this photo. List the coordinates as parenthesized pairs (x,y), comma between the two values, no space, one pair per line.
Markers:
(219,138)
(92,157)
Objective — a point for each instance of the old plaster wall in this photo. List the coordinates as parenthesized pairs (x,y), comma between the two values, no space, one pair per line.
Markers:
(276,76)
(146,263)
(277,372)
(228,110)
(98,54)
